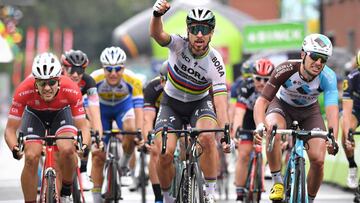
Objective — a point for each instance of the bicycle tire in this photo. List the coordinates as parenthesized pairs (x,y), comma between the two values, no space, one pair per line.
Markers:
(302,180)
(50,193)
(142,178)
(114,180)
(247,198)
(196,185)
(76,193)
(299,193)
(182,194)
(287,184)
(258,182)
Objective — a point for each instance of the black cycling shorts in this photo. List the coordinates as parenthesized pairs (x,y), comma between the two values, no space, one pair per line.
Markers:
(175,114)
(35,122)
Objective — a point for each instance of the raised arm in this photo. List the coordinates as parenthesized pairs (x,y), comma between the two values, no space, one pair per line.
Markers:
(156,26)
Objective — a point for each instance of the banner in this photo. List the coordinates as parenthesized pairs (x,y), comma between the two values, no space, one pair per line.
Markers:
(273,36)
(57,41)
(68,39)
(29,50)
(43,39)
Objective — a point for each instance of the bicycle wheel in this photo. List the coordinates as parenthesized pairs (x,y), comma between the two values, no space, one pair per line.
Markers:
(196,185)
(142,177)
(247,198)
(50,190)
(258,180)
(287,183)
(299,186)
(76,193)
(183,188)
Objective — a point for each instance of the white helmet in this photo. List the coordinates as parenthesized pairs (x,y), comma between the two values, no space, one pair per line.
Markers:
(317,43)
(46,66)
(112,56)
(200,15)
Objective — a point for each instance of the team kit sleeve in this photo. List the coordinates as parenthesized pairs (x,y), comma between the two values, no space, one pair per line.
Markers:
(149,97)
(348,87)
(18,103)
(176,42)
(328,83)
(218,75)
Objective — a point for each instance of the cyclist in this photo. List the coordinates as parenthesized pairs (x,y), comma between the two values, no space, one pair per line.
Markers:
(351,118)
(299,83)
(194,68)
(249,90)
(46,100)
(153,93)
(75,62)
(121,100)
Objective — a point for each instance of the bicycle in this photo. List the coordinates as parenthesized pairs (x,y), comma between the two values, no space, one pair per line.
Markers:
(295,177)
(351,139)
(254,185)
(49,189)
(223,176)
(111,187)
(190,188)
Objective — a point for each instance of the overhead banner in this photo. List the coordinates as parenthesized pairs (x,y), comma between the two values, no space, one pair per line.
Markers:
(273,36)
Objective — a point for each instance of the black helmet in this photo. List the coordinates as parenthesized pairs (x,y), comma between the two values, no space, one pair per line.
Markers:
(75,58)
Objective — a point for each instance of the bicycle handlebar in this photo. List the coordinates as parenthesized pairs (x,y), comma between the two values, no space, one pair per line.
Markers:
(351,134)
(113,132)
(194,132)
(303,135)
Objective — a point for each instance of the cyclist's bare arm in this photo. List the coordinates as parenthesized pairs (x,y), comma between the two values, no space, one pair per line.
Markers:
(238,119)
(332,116)
(95,119)
(10,132)
(220,104)
(149,117)
(156,28)
(139,118)
(347,105)
(81,124)
(260,107)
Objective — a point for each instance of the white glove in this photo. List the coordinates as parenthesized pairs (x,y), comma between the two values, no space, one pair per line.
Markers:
(232,145)
(260,128)
(160,8)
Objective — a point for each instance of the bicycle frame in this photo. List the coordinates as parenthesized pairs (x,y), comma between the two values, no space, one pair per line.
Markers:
(49,187)
(111,187)
(191,178)
(254,184)
(295,177)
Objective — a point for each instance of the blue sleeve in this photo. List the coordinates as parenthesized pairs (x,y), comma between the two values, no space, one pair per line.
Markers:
(234,87)
(328,83)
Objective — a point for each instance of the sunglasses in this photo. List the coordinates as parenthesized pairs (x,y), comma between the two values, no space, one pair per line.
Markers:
(259,78)
(316,56)
(111,68)
(78,70)
(195,29)
(43,83)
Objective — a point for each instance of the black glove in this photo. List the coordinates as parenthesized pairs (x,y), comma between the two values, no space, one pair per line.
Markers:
(16,153)
(85,150)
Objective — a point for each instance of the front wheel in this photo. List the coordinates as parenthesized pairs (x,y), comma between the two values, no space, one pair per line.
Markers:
(50,187)
(196,185)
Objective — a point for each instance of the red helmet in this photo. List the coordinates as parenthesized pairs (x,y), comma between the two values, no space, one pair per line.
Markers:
(263,67)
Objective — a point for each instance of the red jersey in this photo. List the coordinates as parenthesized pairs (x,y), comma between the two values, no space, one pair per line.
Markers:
(26,95)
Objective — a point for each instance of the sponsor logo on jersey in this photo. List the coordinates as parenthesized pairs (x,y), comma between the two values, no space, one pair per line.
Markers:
(218,66)
(345,85)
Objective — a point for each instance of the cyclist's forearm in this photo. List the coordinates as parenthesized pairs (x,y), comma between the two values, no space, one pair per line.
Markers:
(81,124)
(221,107)
(157,32)
(149,117)
(139,118)
(332,115)
(260,107)
(95,119)
(10,132)
(238,119)
(347,113)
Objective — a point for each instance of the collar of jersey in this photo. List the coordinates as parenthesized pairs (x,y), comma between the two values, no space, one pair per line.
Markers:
(202,56)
